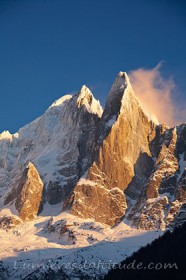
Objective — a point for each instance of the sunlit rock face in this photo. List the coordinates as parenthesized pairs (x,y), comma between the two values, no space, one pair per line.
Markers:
(27,195)
(123,138)
(142,161)
(162,201)
(59,144)
(107,165)
(94,200)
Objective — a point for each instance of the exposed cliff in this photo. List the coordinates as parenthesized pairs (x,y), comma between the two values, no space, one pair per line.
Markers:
(123,138)
(107,165)
(27,195)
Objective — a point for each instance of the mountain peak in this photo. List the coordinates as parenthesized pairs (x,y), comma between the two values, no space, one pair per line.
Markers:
(120,87)
(30,165)
(122,99)
(121,82)
(5,135)
(86,98)
(84,94)
(84,89)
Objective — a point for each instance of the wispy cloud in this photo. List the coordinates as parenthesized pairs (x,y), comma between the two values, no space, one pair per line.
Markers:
(157,95)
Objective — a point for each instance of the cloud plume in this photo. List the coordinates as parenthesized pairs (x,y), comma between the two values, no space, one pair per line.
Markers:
(157,95)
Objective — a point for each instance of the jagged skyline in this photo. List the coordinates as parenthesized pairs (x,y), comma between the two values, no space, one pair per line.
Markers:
(81,183)
(51,48)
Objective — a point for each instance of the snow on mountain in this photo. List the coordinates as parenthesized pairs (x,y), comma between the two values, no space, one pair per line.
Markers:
(82,248)
(102,182)
(87,99)
(55,142)
(60,101)
(119,146)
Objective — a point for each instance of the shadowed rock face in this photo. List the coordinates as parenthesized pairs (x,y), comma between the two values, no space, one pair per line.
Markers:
(60,143)
(124,131)
(29,193)
(166,165)
(105,166)
(161,202)
(81,116)
(141,161)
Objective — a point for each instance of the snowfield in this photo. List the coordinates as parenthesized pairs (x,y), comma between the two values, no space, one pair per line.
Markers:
(85,247)
(86,159)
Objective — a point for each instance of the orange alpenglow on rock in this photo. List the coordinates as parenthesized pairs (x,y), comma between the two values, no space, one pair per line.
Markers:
(106,165)
(123,134)
(29,193)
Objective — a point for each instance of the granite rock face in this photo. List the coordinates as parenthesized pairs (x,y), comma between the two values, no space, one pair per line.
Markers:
(107,165)
(59,143)
(161,202)
(141,160)
(166,165)
(123,135)
(27,195)
(93,200)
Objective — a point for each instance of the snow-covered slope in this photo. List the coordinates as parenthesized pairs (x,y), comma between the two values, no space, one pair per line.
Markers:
(68,246)
(59,143)
(90,169)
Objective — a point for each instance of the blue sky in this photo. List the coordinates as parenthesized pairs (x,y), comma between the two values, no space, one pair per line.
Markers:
(51,47)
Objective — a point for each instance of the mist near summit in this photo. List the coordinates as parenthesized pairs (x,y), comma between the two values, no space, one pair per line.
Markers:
(157,95)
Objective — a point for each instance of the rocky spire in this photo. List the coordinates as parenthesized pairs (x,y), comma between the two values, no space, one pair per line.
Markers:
(120,87)
(29,193)
(123,137)
(86,98)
